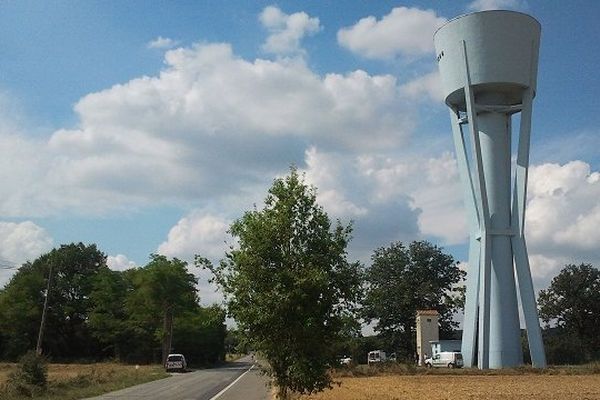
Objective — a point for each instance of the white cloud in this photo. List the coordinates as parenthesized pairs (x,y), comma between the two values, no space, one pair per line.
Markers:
(120,262)
(388,199)
(404,31)
(167,139)
(20,242)
(197,233)
(425,87)
(162,43)
(286,30)
(433,187)
(204,234)
(483,5)
(563,211)
(24,241)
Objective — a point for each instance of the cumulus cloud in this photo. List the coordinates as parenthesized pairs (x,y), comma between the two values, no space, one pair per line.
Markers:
(20,242)
(197,233)
(563,211)
(286,30)
(390,199)
(483,5)
(209,120)
(120,262)
(204,234)
(162,43)
(403,32)
(24,241)
(425,87)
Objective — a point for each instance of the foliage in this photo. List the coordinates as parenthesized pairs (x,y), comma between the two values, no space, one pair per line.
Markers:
(95,313)
(200,335)
(572,304)
(32,376)
(289,285)
(67,333)
(107,316)
(167,288)
(402,280)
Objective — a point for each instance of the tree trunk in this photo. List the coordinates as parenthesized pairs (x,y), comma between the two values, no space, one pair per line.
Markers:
(167,333)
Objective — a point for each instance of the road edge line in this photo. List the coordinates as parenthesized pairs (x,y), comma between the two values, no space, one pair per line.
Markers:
(216,396)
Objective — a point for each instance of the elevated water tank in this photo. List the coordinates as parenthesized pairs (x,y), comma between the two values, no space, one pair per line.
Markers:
(502,52)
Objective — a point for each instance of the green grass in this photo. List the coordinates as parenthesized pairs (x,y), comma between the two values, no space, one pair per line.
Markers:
(70,382)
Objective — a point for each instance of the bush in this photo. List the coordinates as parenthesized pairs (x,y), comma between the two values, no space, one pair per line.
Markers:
(31,378)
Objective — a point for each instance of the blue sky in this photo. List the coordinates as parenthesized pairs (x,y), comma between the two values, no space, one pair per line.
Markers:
(149,126)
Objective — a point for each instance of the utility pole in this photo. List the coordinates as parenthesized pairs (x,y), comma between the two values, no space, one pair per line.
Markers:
(38,348)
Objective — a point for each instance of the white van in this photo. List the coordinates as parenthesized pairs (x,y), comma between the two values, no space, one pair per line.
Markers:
(449,359)
(376,356)
(175,362)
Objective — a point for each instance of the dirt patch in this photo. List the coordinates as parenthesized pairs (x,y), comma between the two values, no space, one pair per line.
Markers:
(440,387)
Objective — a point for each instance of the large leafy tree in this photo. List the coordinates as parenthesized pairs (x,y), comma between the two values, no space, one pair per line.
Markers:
(107,314)
(289,284)
(200,335)
(402,280)
(74,267)
(164,288)
(572,304)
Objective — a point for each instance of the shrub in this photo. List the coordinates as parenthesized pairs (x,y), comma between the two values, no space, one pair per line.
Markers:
(31,377)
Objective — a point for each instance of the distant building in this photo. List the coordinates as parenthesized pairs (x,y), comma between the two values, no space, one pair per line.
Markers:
(428,331)
(437,346)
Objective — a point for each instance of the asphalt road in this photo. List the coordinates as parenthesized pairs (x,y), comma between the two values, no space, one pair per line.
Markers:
(238,380)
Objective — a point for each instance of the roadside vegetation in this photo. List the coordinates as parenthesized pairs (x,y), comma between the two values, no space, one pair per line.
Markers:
(289,285)
(95,314)
(77,381)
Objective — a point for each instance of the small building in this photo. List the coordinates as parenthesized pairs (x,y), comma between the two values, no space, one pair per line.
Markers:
(428,331)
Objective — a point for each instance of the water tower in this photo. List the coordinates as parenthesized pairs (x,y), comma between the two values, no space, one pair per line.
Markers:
(488,64)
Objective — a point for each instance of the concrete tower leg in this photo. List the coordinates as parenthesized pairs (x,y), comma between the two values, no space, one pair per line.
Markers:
(504,341)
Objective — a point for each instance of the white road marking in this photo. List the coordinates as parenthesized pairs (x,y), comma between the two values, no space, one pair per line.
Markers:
(216,396)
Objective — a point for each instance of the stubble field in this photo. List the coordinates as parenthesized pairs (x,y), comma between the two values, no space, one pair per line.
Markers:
(462,386)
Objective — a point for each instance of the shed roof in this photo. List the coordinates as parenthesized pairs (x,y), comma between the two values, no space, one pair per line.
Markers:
(428,312)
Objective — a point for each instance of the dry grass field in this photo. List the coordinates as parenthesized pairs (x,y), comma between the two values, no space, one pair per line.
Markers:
(462,386)
(73,381)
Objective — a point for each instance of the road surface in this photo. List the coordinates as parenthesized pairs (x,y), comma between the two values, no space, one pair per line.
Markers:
(238,380)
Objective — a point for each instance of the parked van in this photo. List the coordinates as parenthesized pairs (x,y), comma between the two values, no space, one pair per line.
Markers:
(376,356)
(175,362)
(449,359)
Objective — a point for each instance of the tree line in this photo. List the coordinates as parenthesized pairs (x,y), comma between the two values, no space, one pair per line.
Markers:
(137,315)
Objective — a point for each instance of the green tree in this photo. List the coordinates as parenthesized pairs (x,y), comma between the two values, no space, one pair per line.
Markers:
(402,280)
(164,288)
(107,315)
(200,335)
(288,284)
(572,304)
(67,332)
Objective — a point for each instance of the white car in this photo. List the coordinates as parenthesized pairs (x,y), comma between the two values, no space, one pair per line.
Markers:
(376,356)
(449,359)
(345,360)
(175,362)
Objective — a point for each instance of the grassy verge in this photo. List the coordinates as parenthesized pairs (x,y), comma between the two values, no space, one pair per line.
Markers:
(233,356)
(77,381)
